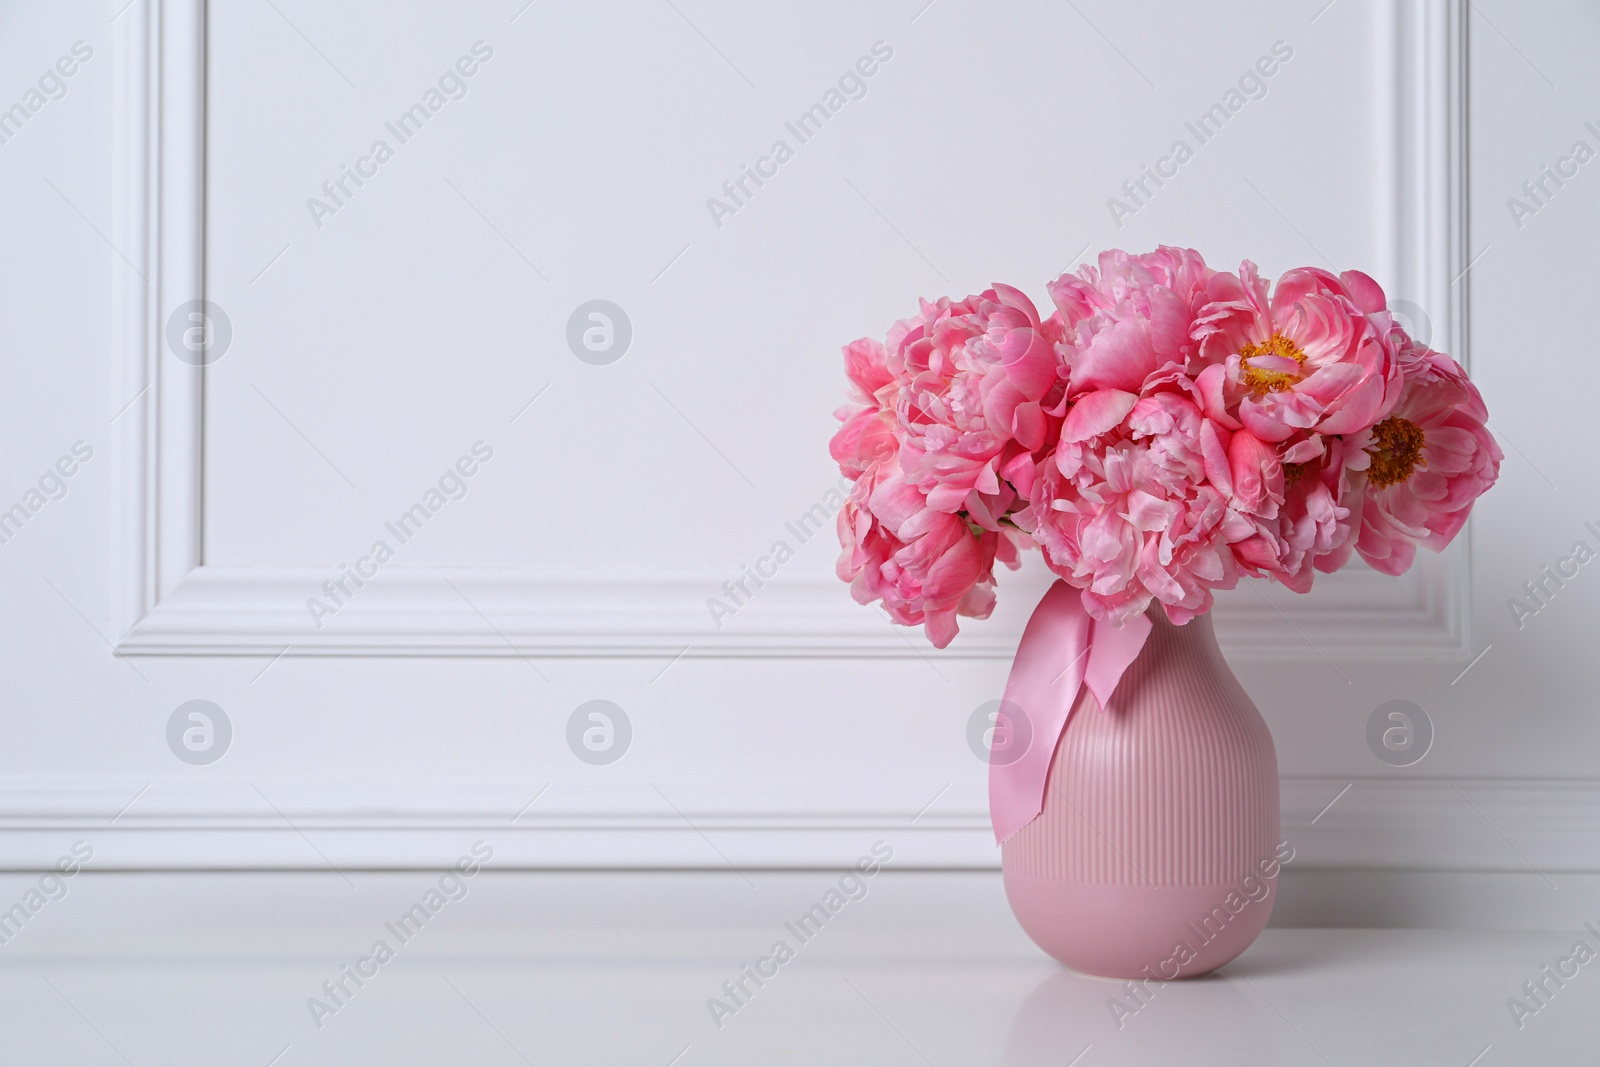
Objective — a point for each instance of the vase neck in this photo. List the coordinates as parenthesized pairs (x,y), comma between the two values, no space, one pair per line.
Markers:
(1195,637)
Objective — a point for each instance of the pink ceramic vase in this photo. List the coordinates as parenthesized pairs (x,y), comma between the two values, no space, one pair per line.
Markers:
(1156,853)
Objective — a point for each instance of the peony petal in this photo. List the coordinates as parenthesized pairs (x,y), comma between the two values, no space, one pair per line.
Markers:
(1211,383)
(1356,410)
(1257,475)
(1121,357)
(1150,513)
(1028,426)
(1093,414)
(1364,292)
(866,364)
(1304,451)
(1214,448)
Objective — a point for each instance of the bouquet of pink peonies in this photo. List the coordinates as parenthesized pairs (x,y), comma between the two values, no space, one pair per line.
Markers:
(1166,430)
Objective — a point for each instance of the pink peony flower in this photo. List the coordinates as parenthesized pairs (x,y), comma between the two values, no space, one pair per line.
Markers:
(1132,317)
(1124,510)
(944,417)
(975,379)
(1293,497)
(1429,461)
(1309,359)
(926,566)
(867,437)
(1123,507)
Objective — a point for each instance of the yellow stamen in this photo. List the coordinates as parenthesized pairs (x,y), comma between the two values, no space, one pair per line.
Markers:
(1259,380)
(1396,451)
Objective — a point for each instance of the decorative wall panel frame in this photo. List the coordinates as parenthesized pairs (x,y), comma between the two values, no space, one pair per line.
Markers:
(169,602)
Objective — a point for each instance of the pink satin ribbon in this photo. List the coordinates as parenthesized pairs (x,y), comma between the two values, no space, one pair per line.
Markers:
(1063,649)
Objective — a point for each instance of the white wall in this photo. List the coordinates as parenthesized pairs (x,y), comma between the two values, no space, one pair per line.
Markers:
(373,346)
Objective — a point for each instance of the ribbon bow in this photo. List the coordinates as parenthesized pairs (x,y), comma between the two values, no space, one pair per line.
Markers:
(1063,649)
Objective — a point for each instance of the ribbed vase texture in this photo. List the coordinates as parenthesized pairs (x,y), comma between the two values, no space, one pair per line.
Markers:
(1156,852)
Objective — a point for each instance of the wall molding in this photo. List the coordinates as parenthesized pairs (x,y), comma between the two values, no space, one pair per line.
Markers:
(159,220)
(1535,827)
(520,612)
(169,603)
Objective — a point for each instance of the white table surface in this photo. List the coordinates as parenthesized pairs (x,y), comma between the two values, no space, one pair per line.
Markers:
(589,968)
